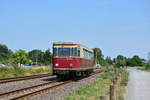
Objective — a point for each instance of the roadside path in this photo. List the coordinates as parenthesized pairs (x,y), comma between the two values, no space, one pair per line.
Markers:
(138,85)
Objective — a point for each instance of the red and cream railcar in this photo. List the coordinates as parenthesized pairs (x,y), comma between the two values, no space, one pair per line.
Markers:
(71,59)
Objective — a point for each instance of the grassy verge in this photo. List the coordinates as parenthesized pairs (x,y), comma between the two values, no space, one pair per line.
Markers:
(91,91)
(146,67)
(143,69)
(123,84)
(96,89)
(7,72)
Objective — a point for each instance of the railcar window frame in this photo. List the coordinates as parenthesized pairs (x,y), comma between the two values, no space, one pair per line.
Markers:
(78,52)
(74,52)
(55,53)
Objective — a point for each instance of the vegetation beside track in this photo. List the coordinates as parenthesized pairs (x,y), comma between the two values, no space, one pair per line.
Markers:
(145,68)
(101,87)
(7,72)
(123,86)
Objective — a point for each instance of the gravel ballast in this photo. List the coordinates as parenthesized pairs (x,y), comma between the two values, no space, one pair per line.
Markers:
(23,84)
(59,93)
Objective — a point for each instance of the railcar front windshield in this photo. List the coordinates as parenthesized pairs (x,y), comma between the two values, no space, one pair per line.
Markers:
(63,51)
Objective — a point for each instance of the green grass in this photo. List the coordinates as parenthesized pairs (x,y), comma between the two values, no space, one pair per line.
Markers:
(94,90)
(145,68)
(141,68)
(122,89)
(7,72)
(124,80)
(120,93)
(91,91)
(101,87)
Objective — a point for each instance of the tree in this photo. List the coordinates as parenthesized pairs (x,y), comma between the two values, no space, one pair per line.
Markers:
(108,60)
(120,61)
(37,56)
(47,57)
(98,56)
(5,53)
(135,61)
(129,62)
(20,57)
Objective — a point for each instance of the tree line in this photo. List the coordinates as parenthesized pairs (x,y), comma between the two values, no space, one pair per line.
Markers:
(119,61)
(39,57)
(35,56)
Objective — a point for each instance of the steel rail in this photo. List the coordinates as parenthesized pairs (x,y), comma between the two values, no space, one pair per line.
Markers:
(41,91)
(11,93)
(49,88)
(7,80)
(25,95)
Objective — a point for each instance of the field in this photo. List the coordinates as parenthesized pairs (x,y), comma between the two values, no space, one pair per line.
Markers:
(7,72)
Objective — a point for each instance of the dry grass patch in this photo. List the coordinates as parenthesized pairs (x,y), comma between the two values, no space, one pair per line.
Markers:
(7,72)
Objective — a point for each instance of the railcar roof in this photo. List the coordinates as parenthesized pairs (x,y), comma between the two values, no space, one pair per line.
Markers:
(65,43)
(71,43)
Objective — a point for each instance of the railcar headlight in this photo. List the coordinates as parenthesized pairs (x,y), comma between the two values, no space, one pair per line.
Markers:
(56,65)
(70,65)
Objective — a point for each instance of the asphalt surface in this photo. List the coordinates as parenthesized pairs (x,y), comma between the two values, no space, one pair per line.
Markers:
(138,85)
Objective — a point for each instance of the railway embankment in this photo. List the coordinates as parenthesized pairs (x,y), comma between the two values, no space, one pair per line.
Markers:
(88,88)
(60,92)
(31,90)
(101,88)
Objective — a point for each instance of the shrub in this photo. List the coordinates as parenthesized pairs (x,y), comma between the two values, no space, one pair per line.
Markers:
(147,66)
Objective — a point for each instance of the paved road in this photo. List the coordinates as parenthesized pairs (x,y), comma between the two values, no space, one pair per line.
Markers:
(138,85)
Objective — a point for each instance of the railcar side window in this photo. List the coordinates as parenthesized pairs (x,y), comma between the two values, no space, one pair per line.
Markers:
(87,54)
(92,56)
(54,51)
(63,51)
(74,52)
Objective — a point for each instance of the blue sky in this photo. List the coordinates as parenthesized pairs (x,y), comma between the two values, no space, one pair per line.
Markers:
(115,26)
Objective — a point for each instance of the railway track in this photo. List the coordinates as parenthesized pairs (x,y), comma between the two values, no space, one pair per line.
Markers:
(36,90)
(7,80)
(25,92)
(44,90)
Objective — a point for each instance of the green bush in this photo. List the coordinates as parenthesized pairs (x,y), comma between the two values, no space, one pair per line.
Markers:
(147,66)
(103,63)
